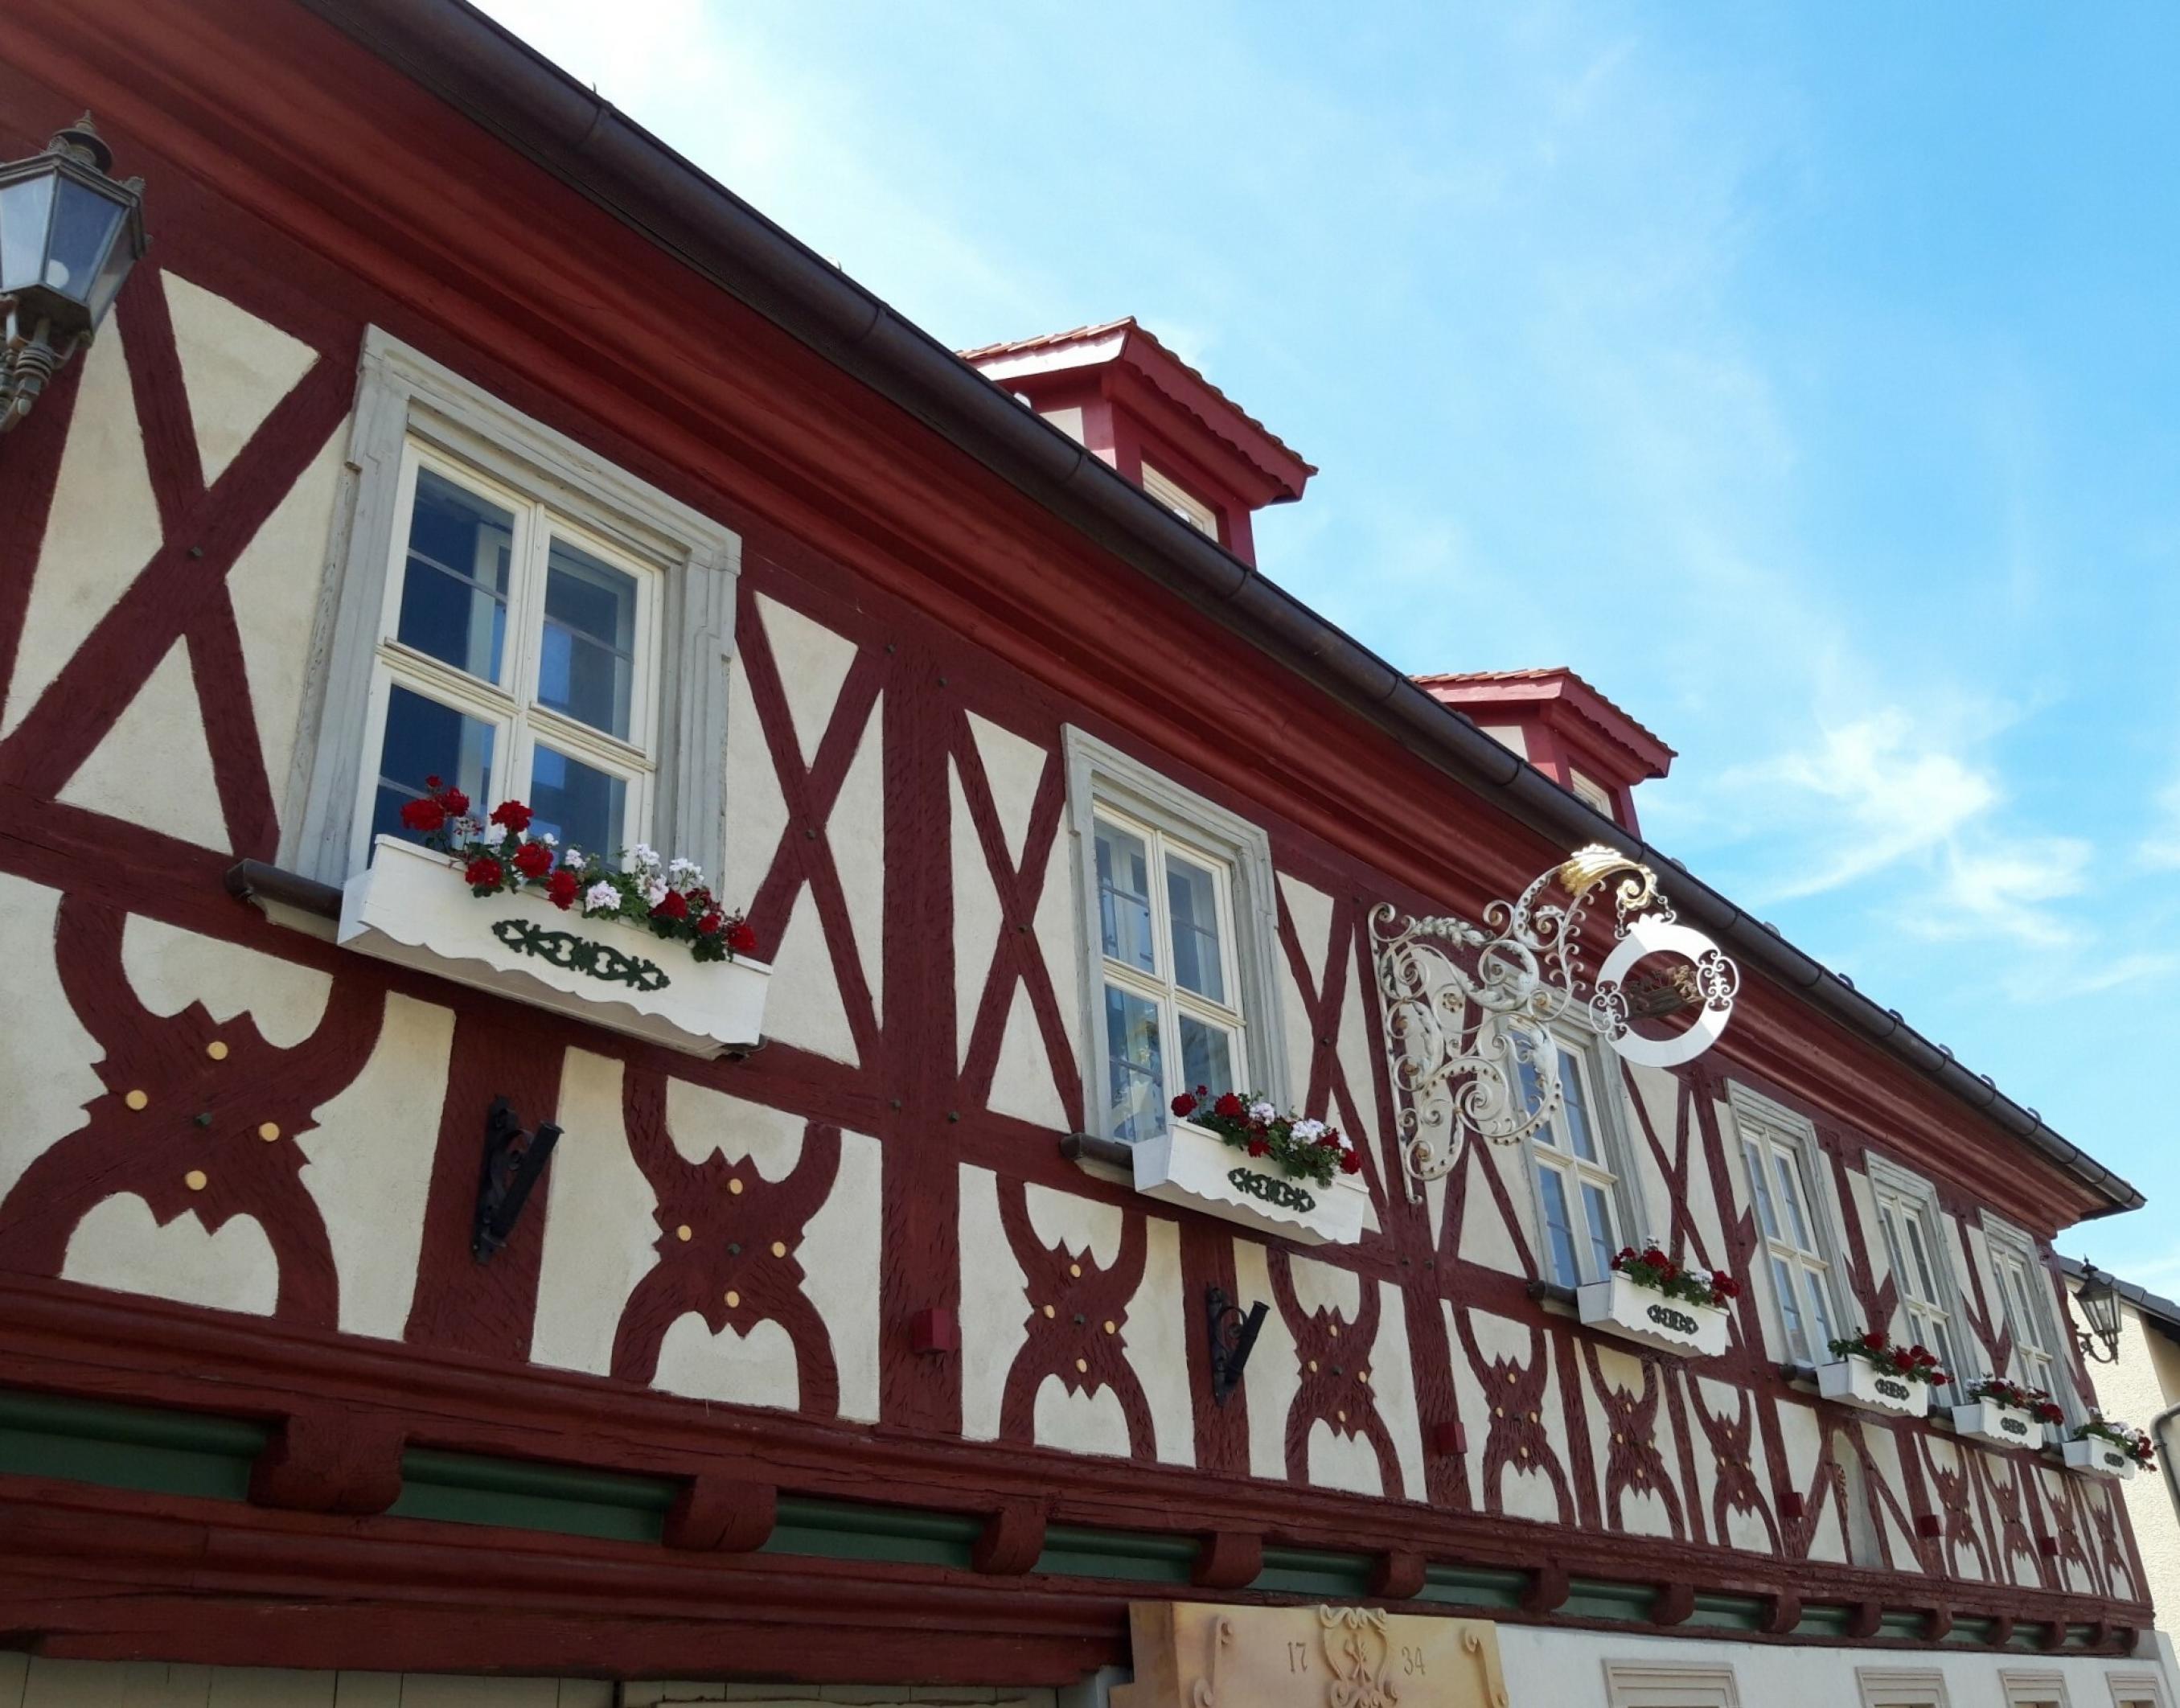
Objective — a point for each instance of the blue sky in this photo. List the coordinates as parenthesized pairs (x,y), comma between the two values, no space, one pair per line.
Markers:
(1806,377)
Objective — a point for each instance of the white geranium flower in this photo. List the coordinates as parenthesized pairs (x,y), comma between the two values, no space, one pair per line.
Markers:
(684,875)
(1262,1111)
(654,892)
(548,838)
(494,834)
(573,857)
(643,858)
(1309,1130)
(601,898)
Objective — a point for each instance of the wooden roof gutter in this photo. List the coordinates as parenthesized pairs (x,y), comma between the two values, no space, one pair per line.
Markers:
(512,91)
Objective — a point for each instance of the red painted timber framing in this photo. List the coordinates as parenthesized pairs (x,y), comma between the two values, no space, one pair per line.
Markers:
(327,203)
(382,181)
(622,1606)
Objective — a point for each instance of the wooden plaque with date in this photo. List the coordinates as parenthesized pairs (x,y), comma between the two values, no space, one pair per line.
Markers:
(1197,1654)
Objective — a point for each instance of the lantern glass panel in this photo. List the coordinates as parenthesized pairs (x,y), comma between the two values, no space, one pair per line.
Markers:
(2099,1302)
(26,207)
(85,223)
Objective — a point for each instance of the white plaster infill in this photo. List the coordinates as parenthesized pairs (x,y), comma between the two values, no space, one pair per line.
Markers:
(1192,1166)
(1859,1383)
(2099,1458)
(411,906)
(1619,1305)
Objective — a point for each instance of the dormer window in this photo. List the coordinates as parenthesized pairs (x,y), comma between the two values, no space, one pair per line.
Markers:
(1592,793)
(1181,502)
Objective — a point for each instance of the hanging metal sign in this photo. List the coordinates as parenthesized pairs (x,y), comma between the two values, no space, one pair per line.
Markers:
(1467,1006)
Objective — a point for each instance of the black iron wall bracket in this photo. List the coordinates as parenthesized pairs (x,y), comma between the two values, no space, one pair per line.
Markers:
(1233,1337)
(513,1160)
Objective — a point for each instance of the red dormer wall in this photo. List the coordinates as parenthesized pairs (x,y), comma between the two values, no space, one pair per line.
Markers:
(1564,725)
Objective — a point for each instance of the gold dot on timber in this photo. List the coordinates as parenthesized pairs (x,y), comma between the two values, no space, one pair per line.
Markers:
(1334,1331)
(684,1234)
(780,1248)
(734,1300)
(1313,1364)
(1075,1270)
(1509,1377)
(197,1180)
(217,1050)
(269,1132)
(1342,1416)
(735,1188)
(1082,1367)
(136,1100)
(1109,1327)
(1364,1377)
(1049,1311)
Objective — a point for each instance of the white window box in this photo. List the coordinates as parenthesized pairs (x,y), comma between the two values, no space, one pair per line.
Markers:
(1619,1306)
(1192,1166)
(2099,1458)
(411,906)
(1858,1382)
(2008,1426)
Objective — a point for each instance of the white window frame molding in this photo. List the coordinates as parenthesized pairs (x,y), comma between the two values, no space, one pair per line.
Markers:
(2128,1688)
(1183,503)
(2002,1238)
(1097,771)
(1599,1074)
(403,397)
(1885,1175)
(1749,1105)
(2021,1689)
(1644,1684)
(1891,1687)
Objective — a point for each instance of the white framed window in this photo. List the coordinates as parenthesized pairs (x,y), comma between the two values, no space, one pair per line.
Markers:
(1181,501)
(2026,1308)
(1912,1229)
(1886,1687)
(2136,1690)
(517,655)
(509,612)
(1641,1684)
(1576,1169)
(1777,1151)
(1588,789)
(1180,932)
(2033,1689)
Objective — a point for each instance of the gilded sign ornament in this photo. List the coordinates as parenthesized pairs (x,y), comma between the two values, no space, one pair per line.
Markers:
(1466,1004)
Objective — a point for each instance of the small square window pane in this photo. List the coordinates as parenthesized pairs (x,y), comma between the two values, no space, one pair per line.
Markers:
(1789,1201)
(1135,1068)
(1207,1055)
(1559,1229)
(582,805)
(586,659)
(1597,1215)
(1821,1313)
(426,739)
(1124,898)
(1790,1311)
(453,592)
(1578,1109)
(1198,960)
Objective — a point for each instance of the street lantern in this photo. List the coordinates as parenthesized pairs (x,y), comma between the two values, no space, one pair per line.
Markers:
(2098,1299)
(69,234)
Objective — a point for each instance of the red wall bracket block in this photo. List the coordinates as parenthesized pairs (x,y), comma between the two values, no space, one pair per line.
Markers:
(934,1330)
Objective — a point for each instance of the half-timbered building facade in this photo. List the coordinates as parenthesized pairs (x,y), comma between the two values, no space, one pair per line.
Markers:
(451,425)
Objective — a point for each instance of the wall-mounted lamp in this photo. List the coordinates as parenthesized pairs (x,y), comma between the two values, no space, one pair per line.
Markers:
(68,235)
(2098,1299)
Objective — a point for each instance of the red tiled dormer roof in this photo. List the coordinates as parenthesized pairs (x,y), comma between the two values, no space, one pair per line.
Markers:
(1474,691)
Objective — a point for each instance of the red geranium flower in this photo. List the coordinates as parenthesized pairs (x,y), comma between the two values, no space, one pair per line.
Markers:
(1873,1341)
(1351,1162)
(1184,1106)
(1260,1147)
(561,890)
(675,905)
(484,873)
(740,938)
(513,814)
(708,924)
(423,816)
(1229,1105)
(533,859)
(454,801)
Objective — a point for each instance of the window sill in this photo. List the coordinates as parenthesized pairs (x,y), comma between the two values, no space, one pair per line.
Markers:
(287,898)
(1558,1301)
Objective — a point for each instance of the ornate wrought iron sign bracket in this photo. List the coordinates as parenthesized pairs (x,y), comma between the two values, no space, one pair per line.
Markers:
(1465,1005)
(1233,1337)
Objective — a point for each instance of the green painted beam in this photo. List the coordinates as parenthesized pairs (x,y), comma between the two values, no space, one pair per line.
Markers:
(153,1452)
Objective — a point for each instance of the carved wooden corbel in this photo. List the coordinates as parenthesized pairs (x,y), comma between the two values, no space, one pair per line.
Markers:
(1674,1603)
(722,1515)
(1228,1560)
(1013,1537)
(1397,1575)
(330,1461)
(1547,1592)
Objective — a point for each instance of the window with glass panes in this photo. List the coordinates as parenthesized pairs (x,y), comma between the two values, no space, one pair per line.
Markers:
(1911,1233)
(515,659)
(2021,1291)
(1800,1276)
(1575,1184)
(1171,983)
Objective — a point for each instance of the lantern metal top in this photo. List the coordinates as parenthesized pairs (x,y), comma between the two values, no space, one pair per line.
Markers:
(81,142)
